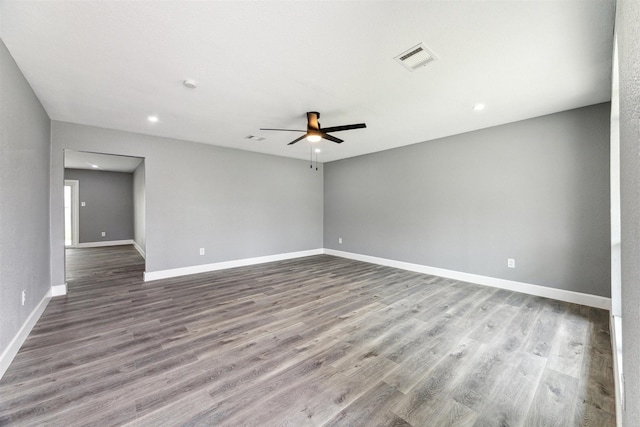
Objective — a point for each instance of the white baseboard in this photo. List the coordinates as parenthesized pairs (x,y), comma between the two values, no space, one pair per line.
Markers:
(175,272)
(58,290)
(615,325)
(105,243)
(139,249)
(527,288)
(12,349)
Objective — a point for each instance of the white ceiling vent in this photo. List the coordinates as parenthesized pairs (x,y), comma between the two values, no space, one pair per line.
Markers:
(416,57)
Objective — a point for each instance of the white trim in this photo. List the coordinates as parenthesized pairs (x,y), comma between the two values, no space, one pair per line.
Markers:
(614,190)
(527,288)
(75,210)
(12,349)
(139,249)
(58,290)
(615,326)
(107,243)
(203,268)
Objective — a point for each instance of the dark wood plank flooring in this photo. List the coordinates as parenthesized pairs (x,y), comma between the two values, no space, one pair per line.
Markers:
(313,341)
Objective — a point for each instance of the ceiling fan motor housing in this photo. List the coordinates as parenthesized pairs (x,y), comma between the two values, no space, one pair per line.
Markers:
(312,121)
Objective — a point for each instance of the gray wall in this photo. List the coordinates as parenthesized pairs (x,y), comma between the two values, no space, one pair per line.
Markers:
(235,204)
(139,232)
(108,198)
(628,33)
(24,199)
(536,191)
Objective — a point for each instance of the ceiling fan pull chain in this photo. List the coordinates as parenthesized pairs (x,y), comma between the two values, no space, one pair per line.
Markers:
(310,157)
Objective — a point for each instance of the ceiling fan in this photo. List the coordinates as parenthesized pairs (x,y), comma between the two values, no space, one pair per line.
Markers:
(315,133)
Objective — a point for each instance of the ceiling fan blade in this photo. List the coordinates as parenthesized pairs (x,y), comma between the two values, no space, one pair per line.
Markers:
(286,130)
(344,127)
(297,139)
(331,138)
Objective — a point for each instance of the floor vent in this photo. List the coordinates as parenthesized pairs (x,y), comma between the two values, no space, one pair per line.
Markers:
(416,57)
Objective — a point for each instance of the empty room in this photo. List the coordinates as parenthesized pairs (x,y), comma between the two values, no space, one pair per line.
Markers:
(320,213)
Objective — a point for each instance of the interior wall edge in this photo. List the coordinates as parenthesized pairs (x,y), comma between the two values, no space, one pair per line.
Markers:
(511,285)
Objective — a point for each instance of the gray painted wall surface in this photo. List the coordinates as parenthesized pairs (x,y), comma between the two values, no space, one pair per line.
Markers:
(628,33)
(536,191)
(139,233)
(235,204)
(24,199)
(108,198)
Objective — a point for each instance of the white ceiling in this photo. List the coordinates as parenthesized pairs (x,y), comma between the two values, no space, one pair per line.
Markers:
(265,64)
(103,162)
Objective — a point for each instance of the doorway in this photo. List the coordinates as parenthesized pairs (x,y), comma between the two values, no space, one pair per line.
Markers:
(107,210)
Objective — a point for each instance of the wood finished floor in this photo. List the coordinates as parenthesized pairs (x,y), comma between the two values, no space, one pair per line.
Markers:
(312,341)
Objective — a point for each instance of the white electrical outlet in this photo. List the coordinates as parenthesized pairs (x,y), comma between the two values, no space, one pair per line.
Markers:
(511,263)
(24,296)
(83,203)
(340,240)
(201,251)
(104,233)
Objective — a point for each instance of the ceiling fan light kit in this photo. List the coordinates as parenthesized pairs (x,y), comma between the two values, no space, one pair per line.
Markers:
(314,137)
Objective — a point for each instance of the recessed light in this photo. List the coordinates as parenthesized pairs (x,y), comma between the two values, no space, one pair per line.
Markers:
(317,150)
(478,107)
(94,166)
(191,84)
(152,119)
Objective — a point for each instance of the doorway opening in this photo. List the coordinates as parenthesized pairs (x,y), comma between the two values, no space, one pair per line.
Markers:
(104,210)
